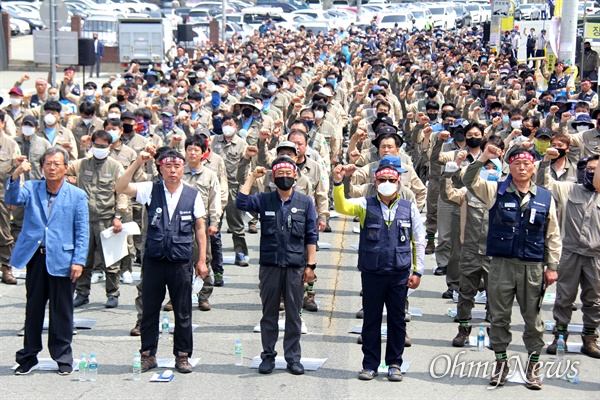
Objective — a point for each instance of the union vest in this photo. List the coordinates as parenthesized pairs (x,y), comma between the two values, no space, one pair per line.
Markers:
(557,83)
(382,249)
(586,97)
(516,233)
(171,239)
(282,239)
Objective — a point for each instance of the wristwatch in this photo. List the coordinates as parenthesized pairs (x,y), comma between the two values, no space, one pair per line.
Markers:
(120,218)
(311,266)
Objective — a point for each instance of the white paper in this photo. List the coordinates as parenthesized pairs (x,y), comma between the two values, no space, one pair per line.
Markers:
(170,362)
(309,364)
(549,298)
(573,328)
(114,245)
(157,378)
(356,229)
(403,368)
(324,245)
(48,364)
(334,214)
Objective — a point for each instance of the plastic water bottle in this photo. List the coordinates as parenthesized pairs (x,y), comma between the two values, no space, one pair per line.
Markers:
(165,328)
(239,360)
(572,377)
(451,313)
(83,368)
(560,348)
(137,367)
(481,340)
(92,368)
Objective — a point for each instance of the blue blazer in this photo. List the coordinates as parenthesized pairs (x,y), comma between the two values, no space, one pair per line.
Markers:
(67,226)
(100,52)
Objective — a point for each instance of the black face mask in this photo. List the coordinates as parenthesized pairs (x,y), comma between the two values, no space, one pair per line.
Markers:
(120,98)
(218,125)
(247,112)
(525,131)
(588,181)
(473,143)
(431,94)
(529,96)
(458,135)
(381,115)
(561,154)
(432,116)
(127,128)
(193,81)
(284,182)
(151,81)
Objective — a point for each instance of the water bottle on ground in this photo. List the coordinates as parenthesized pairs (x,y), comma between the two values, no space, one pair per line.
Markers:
(481,340)
(560,348)
(165,328)
(572,377)
(137,367)
(239,360)
(92,368)
(83,368)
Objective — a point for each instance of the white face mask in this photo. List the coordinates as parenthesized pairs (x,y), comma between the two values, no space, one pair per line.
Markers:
(180,74)
(516,124)
(387,188)
(581,128)
(15,102)
(28,130)
(163,90)
(87,121)
(490,175)
(228,131)
(100,154)
(49,119)
(201,74)
(181,90)
(319,114)
(272,88)
(182,114)
(268,68)
(89,92)
(114,115)
(285,85)
(231,72)
(241,84)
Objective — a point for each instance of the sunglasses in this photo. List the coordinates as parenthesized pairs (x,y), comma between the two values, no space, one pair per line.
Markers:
(384,180)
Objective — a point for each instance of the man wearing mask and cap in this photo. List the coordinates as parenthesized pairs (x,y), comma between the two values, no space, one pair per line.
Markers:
(15,110)
(164,99)
(580,260)
(90,95)
(288,247)
(172,135)
(68,84)
(54,132)
(523,239)
(391,258)
(561,168)
(10,151)
(151,80)
(130,137)
(84,125)
(97,176)
(588,140)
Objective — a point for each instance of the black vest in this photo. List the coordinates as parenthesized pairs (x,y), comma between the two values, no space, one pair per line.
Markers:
(282,239)
(171,239)
(586,97)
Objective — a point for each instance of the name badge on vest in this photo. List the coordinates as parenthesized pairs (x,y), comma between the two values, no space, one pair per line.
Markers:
(88,173)
(510,205)
(269,213)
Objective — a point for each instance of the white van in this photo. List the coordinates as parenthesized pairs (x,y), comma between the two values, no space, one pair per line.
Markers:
(444,16)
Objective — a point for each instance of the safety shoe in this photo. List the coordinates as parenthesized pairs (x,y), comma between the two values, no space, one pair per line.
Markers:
(182,363)
(219,280)
(168,306)
(136,331)
(127,278)
(407,341)
(360,314)
(7,275)
(240,260)
(394,373)
(204,305)
(500,373)
(590,346)
(532,377)
(252,228)
(430,247)
(440,271)
(148,361)
(551,349)
(309,303)
(112,302)
(447,294)
(80,300)
(295,368)
(26,368)
(462,338)
(267,365)
(65,369)
(367,374)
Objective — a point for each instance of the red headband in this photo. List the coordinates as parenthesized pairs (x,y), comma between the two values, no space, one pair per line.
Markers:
(521,156)
(387,171)
(283,165)
(175,160)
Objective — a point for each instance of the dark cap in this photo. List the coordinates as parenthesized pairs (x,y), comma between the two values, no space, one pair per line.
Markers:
(30,119)
(168,110)
(16,90)
(127,115)
(543,131)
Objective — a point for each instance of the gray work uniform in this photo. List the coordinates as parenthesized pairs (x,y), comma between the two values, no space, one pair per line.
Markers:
(9,149)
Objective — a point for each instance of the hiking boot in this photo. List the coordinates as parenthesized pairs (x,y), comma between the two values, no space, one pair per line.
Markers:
(498,377)
(136,331)
(430,247)
(309,301)
(204,305)
(168,306)
(407,341)
(551,349)
(7,275)
(148,361)
(182,363)
(252,228)
(590,346)
(219,280)
(462,337)
(532,377)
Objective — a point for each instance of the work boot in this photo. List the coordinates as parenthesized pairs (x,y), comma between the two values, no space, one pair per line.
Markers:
(182,363)
(168,306)
(498,377)
(148,361)
(532,377)
(252,228)
(462,337)
(204,305)
(309,301)
(136,331)
(430,247)
(7,275)
(590,346)
(407,341)
(551,349)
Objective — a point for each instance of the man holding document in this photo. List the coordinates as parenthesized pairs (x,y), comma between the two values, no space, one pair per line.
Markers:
(176,216)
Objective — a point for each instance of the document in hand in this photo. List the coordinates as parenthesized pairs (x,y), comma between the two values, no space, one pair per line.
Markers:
(114,245)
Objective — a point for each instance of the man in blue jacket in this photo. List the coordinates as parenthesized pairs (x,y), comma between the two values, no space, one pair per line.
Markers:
(53,245)
(99,52)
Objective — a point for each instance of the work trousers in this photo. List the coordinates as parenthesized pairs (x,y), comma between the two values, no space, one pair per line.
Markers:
(443,249)
(6,240)
(473,267)
(453,271)
(433,195)
(235,222)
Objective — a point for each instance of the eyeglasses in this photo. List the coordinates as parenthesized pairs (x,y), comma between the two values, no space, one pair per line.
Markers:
(55,165)
(384,180)
(101,146)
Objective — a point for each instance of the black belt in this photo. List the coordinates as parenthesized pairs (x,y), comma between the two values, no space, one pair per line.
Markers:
(42,250)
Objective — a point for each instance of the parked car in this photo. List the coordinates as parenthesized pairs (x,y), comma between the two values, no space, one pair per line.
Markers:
(478,15)
(32,18)
(444,16)
(19,27)
(397,20)
(530,12)
(463,16)
(420,15)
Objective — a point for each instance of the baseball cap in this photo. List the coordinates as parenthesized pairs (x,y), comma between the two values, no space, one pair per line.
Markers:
(544,131)
(392,162)
(168,110)
(30,119)
(288,145)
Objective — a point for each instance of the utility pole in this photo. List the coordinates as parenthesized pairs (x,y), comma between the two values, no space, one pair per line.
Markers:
(53,54)
(223,22)
(568,32)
